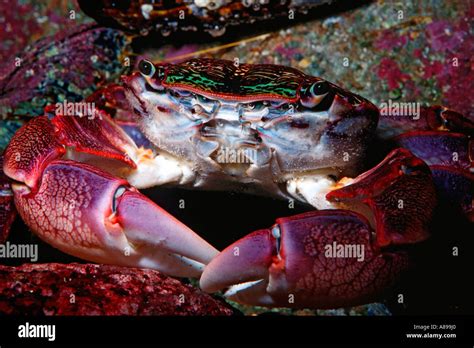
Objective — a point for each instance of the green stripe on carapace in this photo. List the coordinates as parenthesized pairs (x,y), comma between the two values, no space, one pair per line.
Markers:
(221,77)
(194,80)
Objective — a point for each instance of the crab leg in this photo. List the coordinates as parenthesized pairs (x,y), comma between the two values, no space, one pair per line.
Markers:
(431,118)
(443,139)
(87,212)
(333,258)
(450,157)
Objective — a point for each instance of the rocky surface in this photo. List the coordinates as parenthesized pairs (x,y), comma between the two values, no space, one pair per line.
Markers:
(62,68)
(89,289)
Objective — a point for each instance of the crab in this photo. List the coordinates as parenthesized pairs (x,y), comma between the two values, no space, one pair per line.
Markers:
(259,129)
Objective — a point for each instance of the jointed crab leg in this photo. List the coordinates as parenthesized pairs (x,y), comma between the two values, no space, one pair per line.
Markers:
(87,212)
(443,139)
(298,263)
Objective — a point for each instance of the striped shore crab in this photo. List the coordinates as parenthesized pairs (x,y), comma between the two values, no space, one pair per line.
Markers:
(258,129)
(76,179)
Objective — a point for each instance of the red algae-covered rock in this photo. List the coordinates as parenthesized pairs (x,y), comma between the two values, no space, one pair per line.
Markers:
(90,289)
(26,21)
(68,66)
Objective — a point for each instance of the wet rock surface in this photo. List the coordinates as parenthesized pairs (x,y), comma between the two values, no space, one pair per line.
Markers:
(89,289)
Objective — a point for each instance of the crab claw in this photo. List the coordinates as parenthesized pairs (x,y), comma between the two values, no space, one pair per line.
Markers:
(93,215)
(304,261)
(333,258)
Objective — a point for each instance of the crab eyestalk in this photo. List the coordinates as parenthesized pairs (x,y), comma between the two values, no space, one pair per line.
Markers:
(333,258)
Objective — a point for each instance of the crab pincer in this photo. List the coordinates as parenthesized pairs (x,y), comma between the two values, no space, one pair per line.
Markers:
(333,258)
(88,212)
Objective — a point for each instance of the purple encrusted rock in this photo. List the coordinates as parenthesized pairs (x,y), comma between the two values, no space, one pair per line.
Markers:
(90,289)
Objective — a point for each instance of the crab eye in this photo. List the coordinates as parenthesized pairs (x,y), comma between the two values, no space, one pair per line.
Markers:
(314,94)
(319,88)
(146,68)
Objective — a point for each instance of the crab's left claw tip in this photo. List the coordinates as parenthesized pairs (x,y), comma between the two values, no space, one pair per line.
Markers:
(173,247)
(242,269)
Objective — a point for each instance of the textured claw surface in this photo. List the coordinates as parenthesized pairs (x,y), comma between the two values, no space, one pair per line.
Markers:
(40,141)
(31,149)
(323,279)
(86,211)
(70,207)
(451,160)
